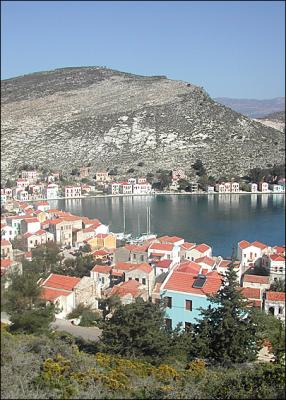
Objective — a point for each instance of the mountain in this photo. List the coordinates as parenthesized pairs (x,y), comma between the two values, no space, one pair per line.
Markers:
(69,117)
(275,120)
(253,108)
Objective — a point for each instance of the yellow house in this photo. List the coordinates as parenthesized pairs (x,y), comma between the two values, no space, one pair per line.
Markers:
(41,215)
(103,240)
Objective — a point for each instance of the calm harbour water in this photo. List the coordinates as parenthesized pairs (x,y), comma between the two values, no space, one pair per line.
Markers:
(218,220)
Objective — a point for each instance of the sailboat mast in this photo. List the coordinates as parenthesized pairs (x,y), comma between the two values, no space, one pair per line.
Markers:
(123,219)
(138,225)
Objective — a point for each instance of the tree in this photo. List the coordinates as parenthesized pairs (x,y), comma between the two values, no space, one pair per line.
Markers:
(183,184)
(278,286)
(226,332)
(28,312)
(131,170)
(199,167)
(257,174)
(137,330)
(165,180)
(108,305)
(140,164)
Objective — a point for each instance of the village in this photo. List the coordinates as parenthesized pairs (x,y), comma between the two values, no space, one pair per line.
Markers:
(167,267)
(32,185)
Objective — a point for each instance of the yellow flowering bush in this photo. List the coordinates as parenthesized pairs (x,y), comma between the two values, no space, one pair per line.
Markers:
(196,368)
(166,373)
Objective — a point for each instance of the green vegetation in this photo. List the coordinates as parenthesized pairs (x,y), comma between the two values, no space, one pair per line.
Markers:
(278,286)
(88,317)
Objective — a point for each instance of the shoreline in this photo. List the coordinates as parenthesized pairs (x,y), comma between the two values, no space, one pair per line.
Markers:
(156,194)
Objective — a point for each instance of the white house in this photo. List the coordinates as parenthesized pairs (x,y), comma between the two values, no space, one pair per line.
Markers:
(210,189)
(8,232)
(178,174)
(125,188)
(22,195)
(51,191)
(22,183)
(30,176)
(132,181)
(43,206)
(15,222)
(30,224)
(256,281)
(234,187)
(8,192)
(144,274)
(102,177)
(198,251)
(275,304)
(142,188)
(276,265)
(113,188)
(142,180)
(276,188)
(220,187)
(101,274)
(248,253)
(264,187)
(254,187)
(38,238)
(162,251)
(72,191)
(3,198)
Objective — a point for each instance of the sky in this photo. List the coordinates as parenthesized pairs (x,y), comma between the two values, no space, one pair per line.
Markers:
(231,48)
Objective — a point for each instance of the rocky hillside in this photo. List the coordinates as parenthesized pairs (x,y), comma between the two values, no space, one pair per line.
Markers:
(69,117)
(275,120)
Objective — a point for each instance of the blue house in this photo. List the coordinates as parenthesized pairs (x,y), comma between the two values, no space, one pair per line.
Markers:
(185,291)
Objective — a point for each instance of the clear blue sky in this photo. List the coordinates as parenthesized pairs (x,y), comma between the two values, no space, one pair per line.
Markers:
(231,48)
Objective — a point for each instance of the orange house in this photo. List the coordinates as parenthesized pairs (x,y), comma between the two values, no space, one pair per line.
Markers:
(103,240)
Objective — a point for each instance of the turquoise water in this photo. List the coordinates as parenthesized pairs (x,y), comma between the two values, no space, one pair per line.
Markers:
(218,220)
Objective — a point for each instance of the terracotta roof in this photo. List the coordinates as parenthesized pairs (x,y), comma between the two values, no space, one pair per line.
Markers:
(279,249)
(5,264)
(100,252)
(64,282)
(161,246)
(259,245)
(124,266)
(40,232)
(128,287)
(135,247)
(143,267)
(52,294)
(156,254)
(170,239)
(163,263)
(189,267)
(103,269)
(256,279)
(117,273)
(202,247)
(187,245)
(5,243)
(31,220)
(243,244)
(277,257)
(206,260)
(251,293)
(102,235)
(275,296)
(183,282)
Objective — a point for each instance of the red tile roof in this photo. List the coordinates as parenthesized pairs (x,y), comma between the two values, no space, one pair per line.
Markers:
(124,266)
(259,245)
(189,267)
(170,239)
(5,264)
(102,235)
(206,260)
(52,294)
(5,243)
(161,246)
(279,249)
(243,244)
(42,203)
(202,247)
(187,245)
(251,293)
(128,287)
(143,267)
(275,296)
(277,257)
(31,220)
(256,279)
(163,263)
(100,252)
(103,269)
(64,282)
(183,282)
(135,247)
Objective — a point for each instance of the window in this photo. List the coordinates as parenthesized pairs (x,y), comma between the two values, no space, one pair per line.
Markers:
(280,310)
(168,322)
(134,256)
(137,279)
(129,279)
(142,258)
(102,279)
(168,302)
(188,305)
(143,281)
(188,326)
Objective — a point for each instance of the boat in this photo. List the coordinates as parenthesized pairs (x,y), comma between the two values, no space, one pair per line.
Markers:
(123,235)
(143,237)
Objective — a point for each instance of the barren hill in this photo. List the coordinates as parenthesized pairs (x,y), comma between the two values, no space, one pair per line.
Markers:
(73,116)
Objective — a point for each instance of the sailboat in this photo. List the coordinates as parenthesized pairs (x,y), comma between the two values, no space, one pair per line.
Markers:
(123,235)
(144,236)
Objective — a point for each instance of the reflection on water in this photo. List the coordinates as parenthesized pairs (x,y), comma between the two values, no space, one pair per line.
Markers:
(220,220)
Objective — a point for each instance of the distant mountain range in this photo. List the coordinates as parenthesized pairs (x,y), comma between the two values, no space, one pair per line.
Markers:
(66,118)
(254,108)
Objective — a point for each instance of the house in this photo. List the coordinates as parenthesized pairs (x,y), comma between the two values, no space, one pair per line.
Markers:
(15,222)
(178,174)
(250,253)
(184,248)
(256,281)
(142,188)
(144,274)
(210,189)
(128,291)
(137,253)
(222,266)
(142,180)
(175,240)
(277,188)
(264,187)
(194,187)
(207,263)
(220,188)
(274,304)
(125,188)
(6,249)
(122,254)
(43,206)
(3,198)
(227,187)
(62,231)
(234,187)
(8,232)
(113,188)
(41,215)
(22,195)
(84,172)
(22,183)
(101,274)
(103,255)
(253,187)
(276,265)
(30,224)
(185,292)
(51,191)
(253,295)
(162,267)
(72,192)
(67,292)
(198,251)
(132,181)
(174,185)
(37,239)
(103,240)
(102,176)
(30,176)
(8,192)
(161,251)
